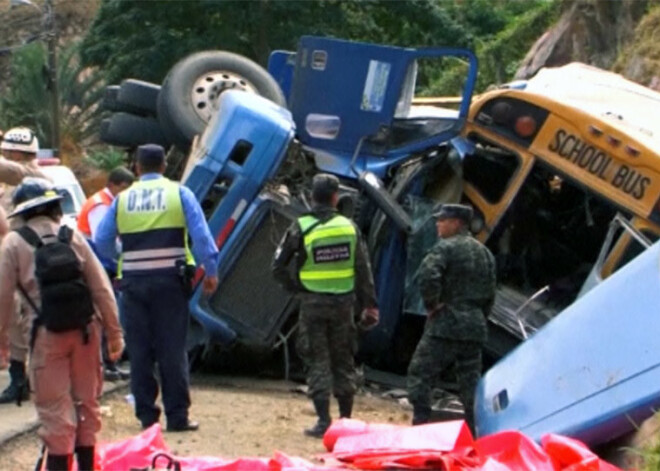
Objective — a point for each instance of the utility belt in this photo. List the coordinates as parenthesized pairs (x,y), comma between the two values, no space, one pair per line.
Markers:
(184,272)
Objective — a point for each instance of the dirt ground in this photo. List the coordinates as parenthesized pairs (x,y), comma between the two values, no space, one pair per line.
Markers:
(238,416)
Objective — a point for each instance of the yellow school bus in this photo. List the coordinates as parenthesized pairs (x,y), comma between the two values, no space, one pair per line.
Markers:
(564,177)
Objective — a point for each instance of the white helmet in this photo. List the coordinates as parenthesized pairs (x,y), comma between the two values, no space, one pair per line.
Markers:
(20,139)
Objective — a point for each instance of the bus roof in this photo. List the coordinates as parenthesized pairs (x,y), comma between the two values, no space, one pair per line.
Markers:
(626,105)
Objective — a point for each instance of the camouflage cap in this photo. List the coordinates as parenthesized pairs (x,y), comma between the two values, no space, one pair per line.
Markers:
(324,186)
(454,211)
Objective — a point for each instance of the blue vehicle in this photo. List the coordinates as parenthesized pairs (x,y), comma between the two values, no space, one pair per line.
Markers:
(601,369)
(252,164)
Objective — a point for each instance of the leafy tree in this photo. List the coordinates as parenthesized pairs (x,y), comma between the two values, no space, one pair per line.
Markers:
(144,39)
(106,158)
(25,102)
(499,50)
(28,99)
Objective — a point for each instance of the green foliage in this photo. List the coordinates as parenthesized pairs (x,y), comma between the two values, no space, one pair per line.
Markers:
(640,59)
(107,158)
(144,39)
(651,458)
(500,54)
(81,90)
(485,18)
(28,100)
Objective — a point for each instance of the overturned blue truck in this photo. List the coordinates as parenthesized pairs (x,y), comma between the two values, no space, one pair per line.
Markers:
(252,163)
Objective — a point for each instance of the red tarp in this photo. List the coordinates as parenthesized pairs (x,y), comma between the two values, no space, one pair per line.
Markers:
(354,444)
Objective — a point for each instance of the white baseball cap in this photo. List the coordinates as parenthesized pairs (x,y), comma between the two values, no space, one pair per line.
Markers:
(21,139)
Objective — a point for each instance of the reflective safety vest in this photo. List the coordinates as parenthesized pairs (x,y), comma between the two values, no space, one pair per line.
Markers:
(330,248)
(152,227)
(100,197)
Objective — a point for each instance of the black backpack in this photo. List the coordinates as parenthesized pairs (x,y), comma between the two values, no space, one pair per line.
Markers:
(66,302)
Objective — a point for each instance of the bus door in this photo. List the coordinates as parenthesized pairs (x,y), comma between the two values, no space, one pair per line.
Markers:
(493,175)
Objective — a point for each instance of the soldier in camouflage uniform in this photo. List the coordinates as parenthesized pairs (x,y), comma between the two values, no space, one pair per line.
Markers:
(332,272)
(457,282)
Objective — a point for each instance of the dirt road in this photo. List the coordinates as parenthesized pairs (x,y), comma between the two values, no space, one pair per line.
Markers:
(239,417)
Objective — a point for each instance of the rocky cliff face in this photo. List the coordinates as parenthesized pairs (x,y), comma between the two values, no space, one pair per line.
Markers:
(590,31)
(640,58)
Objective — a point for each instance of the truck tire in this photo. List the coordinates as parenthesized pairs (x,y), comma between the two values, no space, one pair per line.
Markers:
(138,97)
(188,97)
(174,134)
(104,127)
(128,130)
(109,101)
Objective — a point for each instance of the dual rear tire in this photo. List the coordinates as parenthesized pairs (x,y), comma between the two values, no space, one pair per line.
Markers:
(185,103)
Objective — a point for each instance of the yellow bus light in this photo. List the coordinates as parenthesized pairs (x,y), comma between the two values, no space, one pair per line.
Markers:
(613,141)
(595,131)
(632,151)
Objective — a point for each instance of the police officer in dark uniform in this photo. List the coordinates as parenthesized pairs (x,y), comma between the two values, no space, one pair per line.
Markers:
(457,282)
(332,272)
(153,218)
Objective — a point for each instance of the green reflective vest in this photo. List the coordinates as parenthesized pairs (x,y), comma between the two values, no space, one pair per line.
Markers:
(330,248)
(152,227)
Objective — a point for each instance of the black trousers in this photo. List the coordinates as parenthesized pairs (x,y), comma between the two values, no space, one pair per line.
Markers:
(155,311)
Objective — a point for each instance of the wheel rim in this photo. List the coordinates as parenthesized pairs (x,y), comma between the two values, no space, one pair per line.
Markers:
(208,88)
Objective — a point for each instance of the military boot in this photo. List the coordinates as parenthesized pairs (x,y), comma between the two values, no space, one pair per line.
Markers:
(85,458)
(322,407)
(421,414)
(17,390)
(345,406)
(58,462)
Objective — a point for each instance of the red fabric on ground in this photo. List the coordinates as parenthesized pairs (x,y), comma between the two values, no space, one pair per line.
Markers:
(349,427)
(444,436)
(570,454)
(447,445)
(132,452)
(514,450)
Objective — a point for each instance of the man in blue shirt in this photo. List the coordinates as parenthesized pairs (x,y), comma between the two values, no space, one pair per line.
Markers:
(153,219)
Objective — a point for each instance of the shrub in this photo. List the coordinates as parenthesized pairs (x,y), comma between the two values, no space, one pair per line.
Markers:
(107,158)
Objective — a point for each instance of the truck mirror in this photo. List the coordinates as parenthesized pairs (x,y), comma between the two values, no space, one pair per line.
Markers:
(377,192)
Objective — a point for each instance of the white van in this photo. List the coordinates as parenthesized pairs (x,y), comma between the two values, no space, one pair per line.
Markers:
(65,181)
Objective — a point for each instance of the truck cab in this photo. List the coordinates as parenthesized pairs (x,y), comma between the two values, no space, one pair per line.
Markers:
(350,113)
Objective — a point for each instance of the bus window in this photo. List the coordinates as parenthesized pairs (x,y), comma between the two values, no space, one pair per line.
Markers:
(550,236)
(626,249)
(634,248)
(622,243)
(490,169)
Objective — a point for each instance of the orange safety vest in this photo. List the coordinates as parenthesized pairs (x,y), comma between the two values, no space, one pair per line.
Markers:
(100,197)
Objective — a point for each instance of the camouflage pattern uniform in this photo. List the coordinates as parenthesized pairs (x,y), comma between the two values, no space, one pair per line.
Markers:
(327,336)
(457,282)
